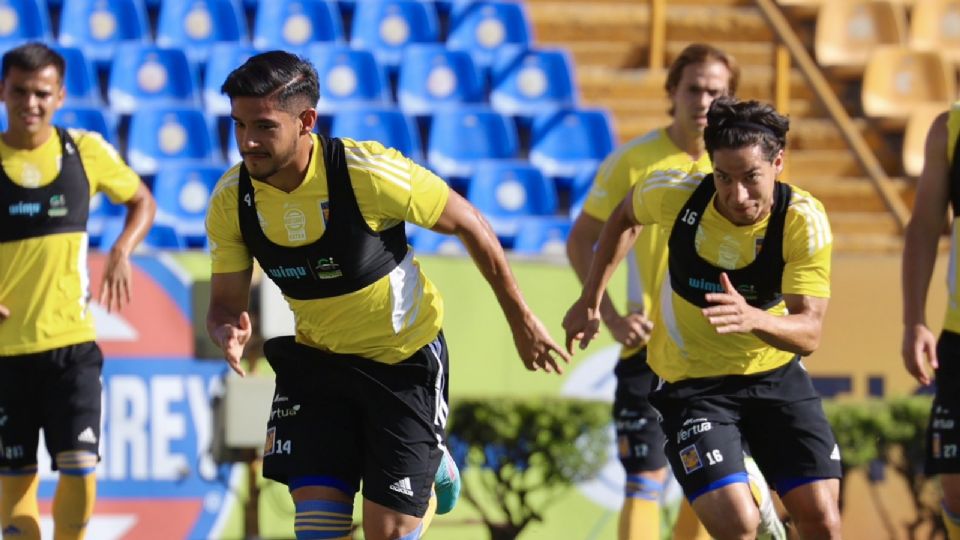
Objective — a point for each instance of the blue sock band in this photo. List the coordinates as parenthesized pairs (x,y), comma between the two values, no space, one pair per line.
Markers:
(738,477)
(319,520)
(414,534)
(638,487)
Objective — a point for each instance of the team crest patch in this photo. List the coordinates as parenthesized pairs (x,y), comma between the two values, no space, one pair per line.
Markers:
(269,443)
(623,444)
(757,246)
(325,211)
(690,459)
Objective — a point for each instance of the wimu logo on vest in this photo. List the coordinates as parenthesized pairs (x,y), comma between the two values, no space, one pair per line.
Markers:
(325,268)
(24,209)
(748,291)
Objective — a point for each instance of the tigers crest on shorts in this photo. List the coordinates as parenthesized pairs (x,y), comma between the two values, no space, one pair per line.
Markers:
(690,459)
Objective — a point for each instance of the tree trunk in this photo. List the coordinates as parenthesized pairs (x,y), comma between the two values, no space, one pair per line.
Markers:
(503,531)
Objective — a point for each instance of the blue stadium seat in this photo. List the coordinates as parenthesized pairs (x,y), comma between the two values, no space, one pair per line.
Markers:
(536,81)
(506,191)
(24,20)
(146,75)
(542,236)
(3,118)
(224,58)
(459,138)
(387,125)
(165,135)
(183,193)
(97,26)
(294,24)
(348,77)
(195,25)
(580,188)
(426,242)
(159,237)
(432,77)
(387,26)
(486,28)
(101,211)
(566,142)
(90,118)
(80,79)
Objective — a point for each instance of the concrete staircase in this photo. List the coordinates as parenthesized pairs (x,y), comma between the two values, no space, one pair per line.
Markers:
(608,39)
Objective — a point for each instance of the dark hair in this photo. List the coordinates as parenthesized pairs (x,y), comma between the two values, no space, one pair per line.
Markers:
(288,78)
(701,53)
(732,123)
(32,57)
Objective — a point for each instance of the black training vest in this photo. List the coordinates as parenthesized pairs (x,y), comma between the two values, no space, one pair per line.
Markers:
(692,277)
(955,180)
(62,206)
(346,258)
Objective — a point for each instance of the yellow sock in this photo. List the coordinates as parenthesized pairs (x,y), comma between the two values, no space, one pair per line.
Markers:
(688,525)
(952,523)
(75,495)
(19,513)
(428,515)
(640,515)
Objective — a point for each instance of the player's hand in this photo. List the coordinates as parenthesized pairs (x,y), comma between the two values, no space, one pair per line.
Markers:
(632,330)
(919,346)
(535,345)
(581,323)
(117,286)
(4,312)
(231,339)
(731,314)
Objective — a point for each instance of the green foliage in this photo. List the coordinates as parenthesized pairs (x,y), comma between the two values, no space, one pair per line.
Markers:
(522,453)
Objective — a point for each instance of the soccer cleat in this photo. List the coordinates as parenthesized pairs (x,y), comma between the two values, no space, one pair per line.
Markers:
(447,483)
(771,528)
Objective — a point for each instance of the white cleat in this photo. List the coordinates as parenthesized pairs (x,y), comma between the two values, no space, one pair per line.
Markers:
(771,528)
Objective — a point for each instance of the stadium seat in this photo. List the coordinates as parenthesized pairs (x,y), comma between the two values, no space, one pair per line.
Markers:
(542,236)
(147,75)
(427,242)
(195,25)
(166,135)
(580,188)
(90,118)
(485,28)
(506,191)
(101,211)
(459,138)
(348,77)
(385,27)
(183,193)
(386,125)
(294,24)
(898,80)
(846,32)
(935,25)
(80,79)
(97,26)
(224,58)
(915,137)
(24,20)
(536,81)
(432,77)
(565,143)
(159,237)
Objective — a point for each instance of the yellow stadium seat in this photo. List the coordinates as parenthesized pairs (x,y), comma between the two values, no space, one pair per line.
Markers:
(915,136)
(846,32)
(898,80)
(935,24)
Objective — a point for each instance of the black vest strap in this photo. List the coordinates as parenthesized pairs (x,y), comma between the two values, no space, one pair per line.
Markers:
(346,258)
(62,206)
(955,179)
(692,277)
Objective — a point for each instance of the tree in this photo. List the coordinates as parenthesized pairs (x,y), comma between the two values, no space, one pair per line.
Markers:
(518,455)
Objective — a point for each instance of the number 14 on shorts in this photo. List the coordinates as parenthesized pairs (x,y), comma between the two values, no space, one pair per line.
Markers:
(275,446)
(690,457)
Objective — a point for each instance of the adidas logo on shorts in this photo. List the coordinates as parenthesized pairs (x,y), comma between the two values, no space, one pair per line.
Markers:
(87,436)
(403,486)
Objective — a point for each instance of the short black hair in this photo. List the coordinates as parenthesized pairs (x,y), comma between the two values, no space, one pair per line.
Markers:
(732,123)
(286,77)
(31,57)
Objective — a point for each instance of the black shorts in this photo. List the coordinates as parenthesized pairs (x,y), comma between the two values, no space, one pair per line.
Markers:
(777,412)
(58,391)
(338,419)
(639,437)
(943,431)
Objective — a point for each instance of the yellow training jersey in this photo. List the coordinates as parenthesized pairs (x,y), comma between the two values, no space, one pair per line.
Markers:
(952,321)
(684,344)
(385,321)
(44,280)
(633,164)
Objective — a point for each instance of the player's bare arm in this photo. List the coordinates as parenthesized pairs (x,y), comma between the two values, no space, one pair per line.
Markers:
(228,322)
(116,289)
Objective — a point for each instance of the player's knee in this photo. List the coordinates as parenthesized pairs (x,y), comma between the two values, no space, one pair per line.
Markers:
(825,525)
(642,488)
(327,520)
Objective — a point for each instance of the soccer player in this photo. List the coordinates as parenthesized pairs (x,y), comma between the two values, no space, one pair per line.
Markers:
(49,363)
(361,391)
(936,189)
(743,298)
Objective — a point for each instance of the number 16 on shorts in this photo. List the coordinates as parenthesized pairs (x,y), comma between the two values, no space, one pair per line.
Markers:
(690,457)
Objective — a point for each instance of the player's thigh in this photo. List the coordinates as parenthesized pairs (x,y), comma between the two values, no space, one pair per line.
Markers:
(943,428)
(20,406)
(639,436)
